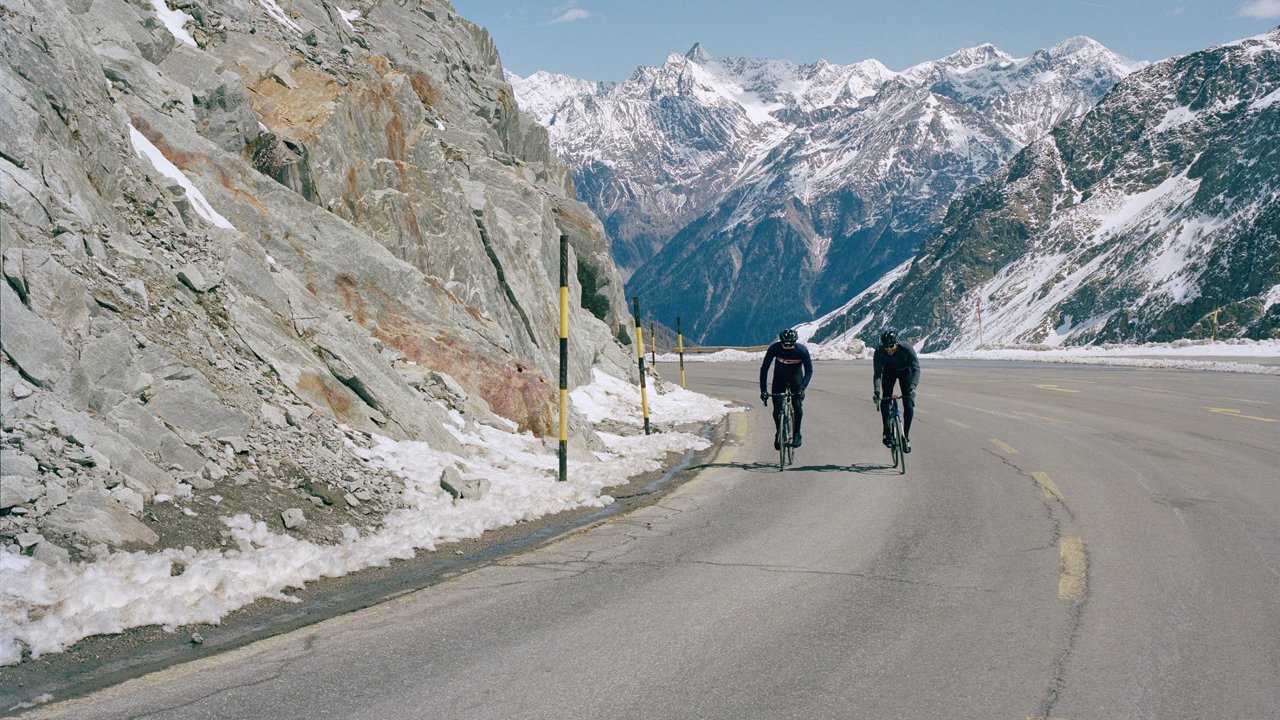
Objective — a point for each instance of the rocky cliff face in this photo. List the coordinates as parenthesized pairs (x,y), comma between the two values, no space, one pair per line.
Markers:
(1153,217)
(239,237)
(752,194)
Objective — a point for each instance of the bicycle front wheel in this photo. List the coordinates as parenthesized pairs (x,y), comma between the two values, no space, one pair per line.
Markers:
(784,440)
(899,445)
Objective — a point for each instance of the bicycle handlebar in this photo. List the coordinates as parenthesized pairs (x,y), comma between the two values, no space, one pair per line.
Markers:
(785,394)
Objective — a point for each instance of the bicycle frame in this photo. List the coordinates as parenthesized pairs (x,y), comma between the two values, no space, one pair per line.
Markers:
(786,428)
(896,437)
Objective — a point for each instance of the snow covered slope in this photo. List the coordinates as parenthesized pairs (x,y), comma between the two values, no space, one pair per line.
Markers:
(1155,216)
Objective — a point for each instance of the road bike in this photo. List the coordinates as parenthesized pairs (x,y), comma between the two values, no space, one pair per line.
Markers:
(786,429)
(897,442)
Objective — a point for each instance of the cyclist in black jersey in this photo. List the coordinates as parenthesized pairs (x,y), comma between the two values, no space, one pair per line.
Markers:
(794,369)
(895,361)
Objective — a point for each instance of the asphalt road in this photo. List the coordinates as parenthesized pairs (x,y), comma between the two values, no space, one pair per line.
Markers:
(1068,542)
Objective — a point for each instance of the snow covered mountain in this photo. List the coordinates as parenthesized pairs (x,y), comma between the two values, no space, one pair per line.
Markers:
(656,151)
(1153,217)
(747,195)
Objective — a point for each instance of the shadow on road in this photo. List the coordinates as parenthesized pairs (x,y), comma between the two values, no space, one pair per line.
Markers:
(773,467)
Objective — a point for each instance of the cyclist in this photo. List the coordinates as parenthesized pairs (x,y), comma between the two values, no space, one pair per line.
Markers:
(895,361)
(794,370)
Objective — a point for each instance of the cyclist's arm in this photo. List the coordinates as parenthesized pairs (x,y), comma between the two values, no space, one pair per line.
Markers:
(807,363)
(914,369)
(877,369)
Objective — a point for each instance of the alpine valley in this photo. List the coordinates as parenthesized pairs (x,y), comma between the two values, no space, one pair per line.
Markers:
(747,195)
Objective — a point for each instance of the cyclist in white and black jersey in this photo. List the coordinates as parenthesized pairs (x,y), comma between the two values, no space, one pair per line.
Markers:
(793,370)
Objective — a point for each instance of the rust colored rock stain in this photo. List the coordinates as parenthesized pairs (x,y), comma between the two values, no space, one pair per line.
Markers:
(298,111)
(351,193)
(577,219)
(319,388)
(351,297)
(422,87)
(180,159)
(380,64)
(395,138)
(518,393)
(234,184)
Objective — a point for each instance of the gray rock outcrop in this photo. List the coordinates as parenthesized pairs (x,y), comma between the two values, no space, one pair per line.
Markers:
(234,252)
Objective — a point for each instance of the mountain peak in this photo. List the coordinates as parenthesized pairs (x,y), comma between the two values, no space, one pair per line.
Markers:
(698,54)
(984,53)
(1074,45)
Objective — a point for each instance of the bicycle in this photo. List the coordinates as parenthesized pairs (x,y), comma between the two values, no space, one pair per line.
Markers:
(786,429)
(896,440)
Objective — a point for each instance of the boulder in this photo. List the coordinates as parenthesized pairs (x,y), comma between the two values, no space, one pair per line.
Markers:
(293,518)
(19,490)
(94,517)
(31,341)
(462,488)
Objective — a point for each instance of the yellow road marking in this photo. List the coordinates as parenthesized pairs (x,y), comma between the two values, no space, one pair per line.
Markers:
(1151,389)
(1004,446)
(1048,386)
(959,424)
(739,432)
(1071,580)
(1047,486)
(1055,421)
(1236,413)
(1247,401)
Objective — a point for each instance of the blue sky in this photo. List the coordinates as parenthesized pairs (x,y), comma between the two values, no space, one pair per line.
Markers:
(608,39)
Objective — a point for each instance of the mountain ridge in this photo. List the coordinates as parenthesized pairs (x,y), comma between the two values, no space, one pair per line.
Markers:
(839,178)
(1153,217)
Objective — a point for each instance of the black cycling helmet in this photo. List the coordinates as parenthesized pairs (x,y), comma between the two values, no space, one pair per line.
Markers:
(788,336)
(888,337)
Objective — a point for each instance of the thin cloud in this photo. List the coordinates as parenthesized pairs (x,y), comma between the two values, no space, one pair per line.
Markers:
(571,15)
(1260,9)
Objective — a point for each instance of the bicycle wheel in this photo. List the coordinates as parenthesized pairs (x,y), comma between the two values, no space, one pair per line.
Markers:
(789,447)
(784,437)
(893,440)
(898,445)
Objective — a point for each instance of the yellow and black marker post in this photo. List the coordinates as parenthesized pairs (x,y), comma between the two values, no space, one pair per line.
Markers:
(680,349)
(653,346)
(644,398)
(564,357)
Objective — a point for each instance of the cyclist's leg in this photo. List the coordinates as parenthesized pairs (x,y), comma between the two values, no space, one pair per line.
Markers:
(908,409)
(886,389)
(796,404)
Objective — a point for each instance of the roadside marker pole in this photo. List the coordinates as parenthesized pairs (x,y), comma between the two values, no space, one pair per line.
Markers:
(564,357)
(980,340)
(680,349)
(644,397)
